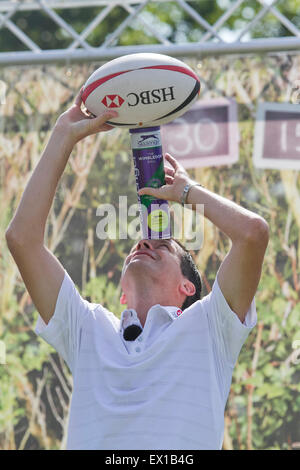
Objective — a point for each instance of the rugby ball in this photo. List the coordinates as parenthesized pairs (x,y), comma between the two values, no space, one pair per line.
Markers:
(145,89)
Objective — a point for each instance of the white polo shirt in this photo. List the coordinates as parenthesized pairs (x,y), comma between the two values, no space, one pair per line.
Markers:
(165,390)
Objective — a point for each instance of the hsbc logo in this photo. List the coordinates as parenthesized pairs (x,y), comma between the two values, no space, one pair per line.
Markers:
(151,96)
(145,97)
(112,101)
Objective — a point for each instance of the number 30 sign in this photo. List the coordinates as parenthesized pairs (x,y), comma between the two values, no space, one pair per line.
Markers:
(206,135)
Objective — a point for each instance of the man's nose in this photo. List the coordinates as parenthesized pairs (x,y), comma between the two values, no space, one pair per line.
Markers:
(146,244)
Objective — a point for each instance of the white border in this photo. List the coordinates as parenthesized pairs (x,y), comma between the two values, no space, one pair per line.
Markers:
(259,160)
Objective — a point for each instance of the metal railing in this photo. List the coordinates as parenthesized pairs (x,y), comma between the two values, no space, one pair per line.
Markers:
(211,42)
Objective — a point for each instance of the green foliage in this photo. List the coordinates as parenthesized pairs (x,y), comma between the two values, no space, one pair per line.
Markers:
(100,291)
(168,18)
(264,403)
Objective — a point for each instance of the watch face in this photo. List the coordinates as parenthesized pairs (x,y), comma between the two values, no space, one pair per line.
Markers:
(184,194)
(186,190)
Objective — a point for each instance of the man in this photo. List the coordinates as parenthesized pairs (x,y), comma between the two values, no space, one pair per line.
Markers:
(158,378)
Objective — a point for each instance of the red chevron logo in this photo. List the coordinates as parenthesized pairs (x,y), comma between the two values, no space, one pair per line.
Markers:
(112,101)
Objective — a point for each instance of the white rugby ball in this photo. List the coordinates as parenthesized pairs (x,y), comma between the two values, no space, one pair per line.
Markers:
(145,89)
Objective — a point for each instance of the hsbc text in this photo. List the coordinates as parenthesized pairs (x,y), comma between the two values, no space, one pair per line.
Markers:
(151,96)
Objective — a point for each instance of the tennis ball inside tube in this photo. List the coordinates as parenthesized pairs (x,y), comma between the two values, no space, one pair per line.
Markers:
(149,171)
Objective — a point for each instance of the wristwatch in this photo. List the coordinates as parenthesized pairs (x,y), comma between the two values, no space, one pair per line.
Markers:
(186,190)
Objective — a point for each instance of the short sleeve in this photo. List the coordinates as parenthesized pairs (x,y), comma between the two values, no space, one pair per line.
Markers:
(227,332)
(63,330)
(230,333)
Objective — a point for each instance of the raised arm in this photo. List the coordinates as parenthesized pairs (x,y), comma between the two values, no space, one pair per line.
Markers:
(240,271)
(41,271)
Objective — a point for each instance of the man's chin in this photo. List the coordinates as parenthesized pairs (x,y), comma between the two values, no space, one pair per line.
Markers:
(137,266)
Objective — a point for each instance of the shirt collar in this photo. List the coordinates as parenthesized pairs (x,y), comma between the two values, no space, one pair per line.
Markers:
(130,317)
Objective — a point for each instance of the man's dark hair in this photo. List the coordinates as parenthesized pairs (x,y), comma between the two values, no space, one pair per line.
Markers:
(190,271)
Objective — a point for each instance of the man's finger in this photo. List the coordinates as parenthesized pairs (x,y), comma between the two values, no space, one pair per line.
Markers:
(148,191)
(169,179)
(97,124)
(171,160)
(105,116)
(78,99)
(169,171)
(155,192)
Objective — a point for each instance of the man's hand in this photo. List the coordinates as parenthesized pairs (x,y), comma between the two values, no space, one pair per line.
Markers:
(176,179)
(78,124)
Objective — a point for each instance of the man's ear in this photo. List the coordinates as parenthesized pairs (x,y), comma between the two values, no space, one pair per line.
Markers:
(187,288)
(123,299)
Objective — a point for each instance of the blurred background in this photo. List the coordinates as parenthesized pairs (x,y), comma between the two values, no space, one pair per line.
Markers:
(242,141)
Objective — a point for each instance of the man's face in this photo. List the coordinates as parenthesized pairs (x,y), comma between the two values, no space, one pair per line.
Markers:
(159,259)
